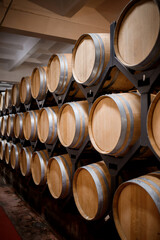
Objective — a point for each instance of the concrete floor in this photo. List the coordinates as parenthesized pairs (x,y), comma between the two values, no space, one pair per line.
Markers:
(28,223)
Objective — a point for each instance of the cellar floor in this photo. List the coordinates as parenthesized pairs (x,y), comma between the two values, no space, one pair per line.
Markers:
(26,221)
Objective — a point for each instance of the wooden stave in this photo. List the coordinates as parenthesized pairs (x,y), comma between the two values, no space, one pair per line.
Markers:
(8,99)
(2,101)
(79,120)
(146,63)
(10,125)
(15,158)
(2,149)
(43,83)
(20,122)
(98,42)
(28,98)
(4,125)
(119,150)
(99,174)
(141,181)
(43,159)
(8,146)
(52,113)
(65,165)
(28,154)
(34,118)
(15,95)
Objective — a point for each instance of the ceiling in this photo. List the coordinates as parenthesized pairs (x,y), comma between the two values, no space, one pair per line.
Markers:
(32,30)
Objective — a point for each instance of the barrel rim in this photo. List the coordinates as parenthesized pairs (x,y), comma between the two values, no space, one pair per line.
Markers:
(153,55)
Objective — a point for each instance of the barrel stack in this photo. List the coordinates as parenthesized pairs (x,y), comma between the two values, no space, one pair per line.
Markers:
(46,142)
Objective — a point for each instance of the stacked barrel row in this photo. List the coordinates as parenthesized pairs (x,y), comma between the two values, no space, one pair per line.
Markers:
(113,122)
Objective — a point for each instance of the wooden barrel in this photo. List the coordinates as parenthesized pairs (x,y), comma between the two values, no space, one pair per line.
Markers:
(114,123)
(47,117)
(4,125)
(10,125)
(0,125)
(39,167)
(91,190)
(59,73)
(59,176)
(25,161)
(15,155)
(8,98)
(136,208)
(2,101)
(153,124)
(18,125)
(30,125)
(15,95)
(90,57)
(8,146)
(73,124)
(25,90)
(138,30)
(2,149)
(39,83)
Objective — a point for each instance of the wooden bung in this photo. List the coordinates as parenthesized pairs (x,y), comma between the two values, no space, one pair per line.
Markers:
(8,146)
(91,190)
(136,208)
(59,73)
(18,125)
(2,149)
(47,125)
(2,101)
(114,123)
(10,125)
(153,121)
(15,155)
(8,98)
(73,124)
(39,83)
(138,31)
(25,161)
(90,57)
(39,164)
(15,95)
(4,125)
(25,90)
(59,176)
(30,125)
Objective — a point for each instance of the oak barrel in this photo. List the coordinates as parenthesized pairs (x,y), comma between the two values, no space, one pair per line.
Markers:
(39,83)
(2,101)
(4,125)
(136,208)
(153,124)
(8,146)
(25,161)
(114,123)
(30,125)
(47,125)
(8,98)
(138,31)
(15,95)
(25,90)
(39,164)
(15,155)
(91,190)
(10,125)
(18,125)
(73,124)
(2,149)
(59,176)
